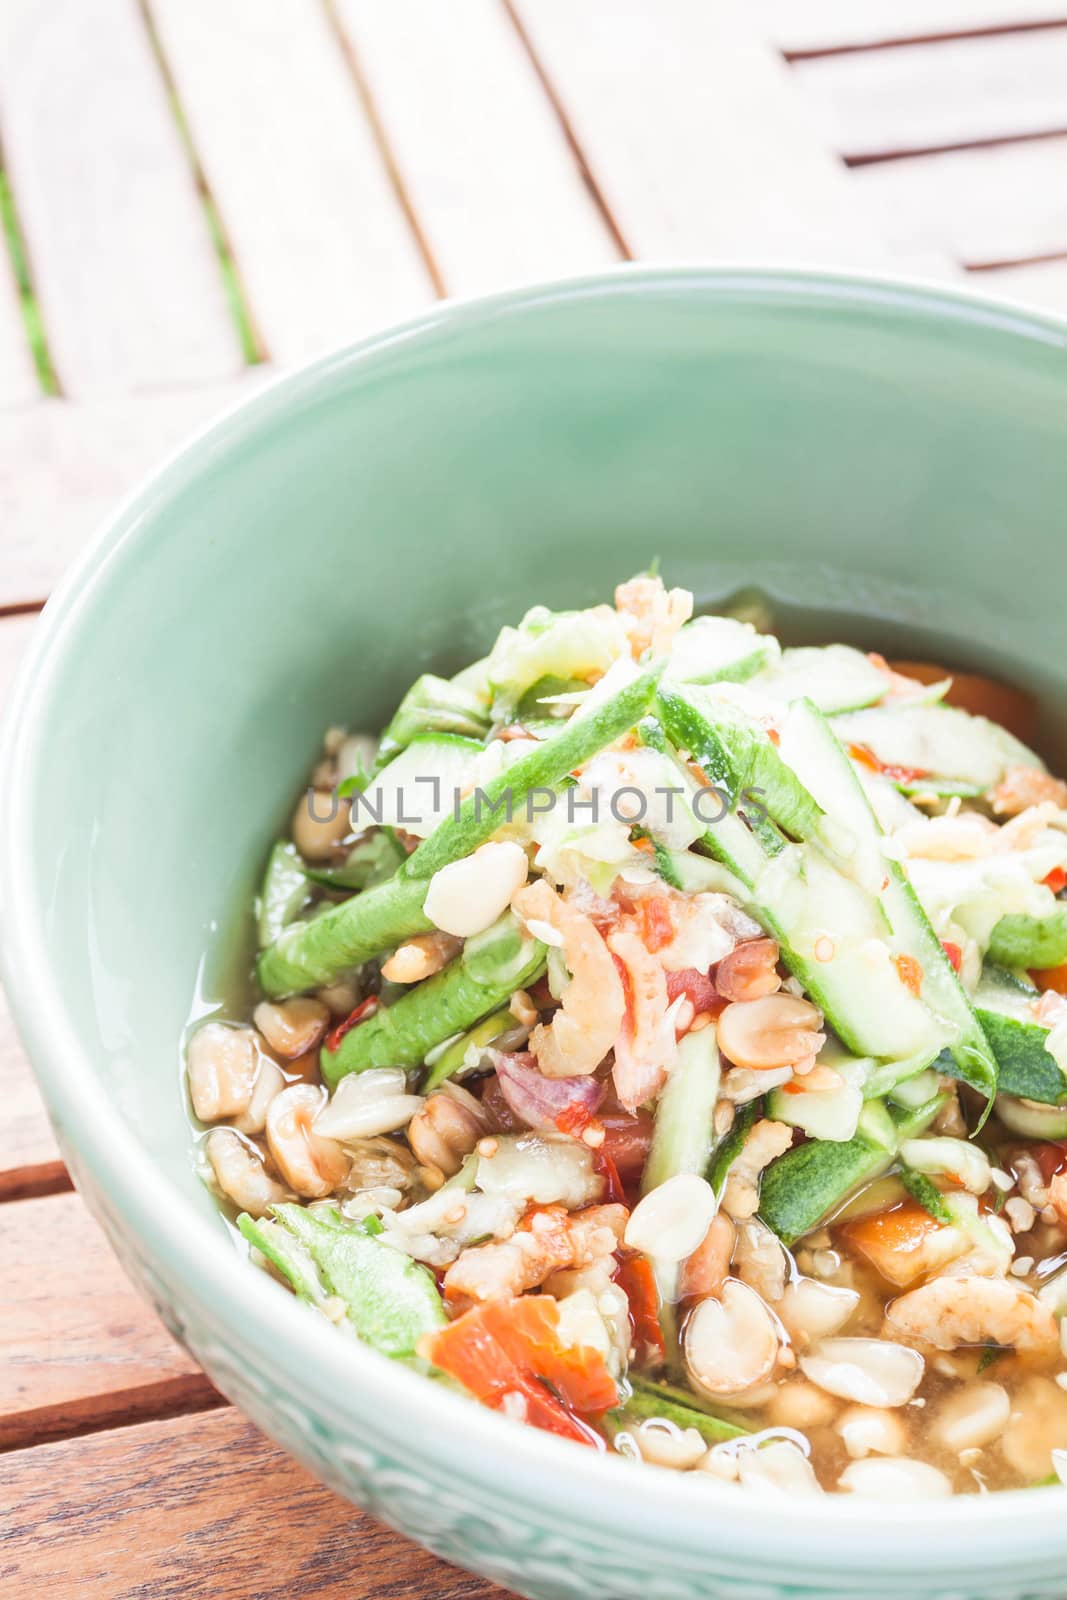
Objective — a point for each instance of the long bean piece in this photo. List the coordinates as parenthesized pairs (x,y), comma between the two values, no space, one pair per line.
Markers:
(309,954)
(453,1000)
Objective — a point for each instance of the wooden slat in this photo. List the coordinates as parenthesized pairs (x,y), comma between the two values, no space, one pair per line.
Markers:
(695,133)
(1042,284)
(64,468)
(321,241)
(29,1161)
(835,24)
(1006,203)
(78,1347)
(925,97)
(497,190)
(204,1508)
(121,254)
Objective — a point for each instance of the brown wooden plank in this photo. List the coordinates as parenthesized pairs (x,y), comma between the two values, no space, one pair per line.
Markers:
(78,1346)
(198,1506)
(30,1163)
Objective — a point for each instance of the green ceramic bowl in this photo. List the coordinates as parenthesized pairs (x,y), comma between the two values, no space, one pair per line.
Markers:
(887,462)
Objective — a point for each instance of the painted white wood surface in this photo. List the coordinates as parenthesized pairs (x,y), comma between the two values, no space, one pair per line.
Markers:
(490,175)
(834,24)
(123,263)
(922,97)
(321,240)
(695,134)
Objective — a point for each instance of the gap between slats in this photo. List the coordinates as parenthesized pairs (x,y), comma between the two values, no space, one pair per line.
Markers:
(951,36)
(325,249)
(819,27)
(442,86)
(81,1349)
(205,1508)
(902,100)
(988,208)
(123,267)
(694,158)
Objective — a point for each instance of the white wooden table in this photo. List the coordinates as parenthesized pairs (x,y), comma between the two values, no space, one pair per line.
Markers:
(199,191)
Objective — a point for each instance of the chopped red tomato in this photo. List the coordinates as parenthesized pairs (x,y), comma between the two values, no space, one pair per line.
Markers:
(542,1410)
(911,973)
(893,1240)
(1056,880)
(604,1167)
(626,1142)
(574,1119)
(627,992)
(697,988)
(638,1282)
(365,1009)
(1052,978)
(1051,1157)
(657,929)
(867,758)
(513,1347)
(541,994)
(954,953)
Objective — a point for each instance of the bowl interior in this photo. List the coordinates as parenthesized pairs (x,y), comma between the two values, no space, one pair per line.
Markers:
(886,464)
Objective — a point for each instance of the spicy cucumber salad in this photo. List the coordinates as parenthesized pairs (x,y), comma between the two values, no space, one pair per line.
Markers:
(662,1039)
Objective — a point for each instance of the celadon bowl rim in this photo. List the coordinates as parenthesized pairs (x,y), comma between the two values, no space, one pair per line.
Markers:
(660,1507)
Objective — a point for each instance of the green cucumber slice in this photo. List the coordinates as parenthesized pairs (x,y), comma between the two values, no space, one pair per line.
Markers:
(805,1185)
(812,1181)
(811,744)
(1033,942)
(452,1060)
(433,705)
(831,929)
(834,677)
(735,751)
(677,1406)
(956,753)
(732,1145)
(370,861)
(682,1137)
(682,1141)
(1030,1120)
(710,649)
(557,644)
(827,1113)
(283,892)
(1027,1068)
(420,786)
